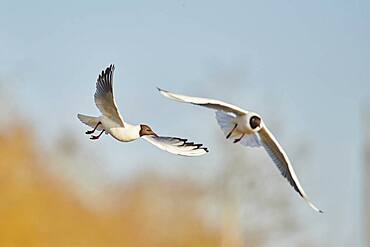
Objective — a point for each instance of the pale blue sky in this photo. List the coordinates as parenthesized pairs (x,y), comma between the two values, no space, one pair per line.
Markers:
(304,63)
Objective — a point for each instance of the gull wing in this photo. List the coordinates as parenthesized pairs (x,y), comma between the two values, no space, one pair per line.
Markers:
(251,140)
(104,98)
(176,145)
(210,103)
(281,160)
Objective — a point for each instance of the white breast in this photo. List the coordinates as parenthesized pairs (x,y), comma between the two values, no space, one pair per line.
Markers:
(123,134)
(242,122)
(126,134)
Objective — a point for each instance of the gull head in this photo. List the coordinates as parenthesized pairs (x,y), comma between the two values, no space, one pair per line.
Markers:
(145,130)
(255,122)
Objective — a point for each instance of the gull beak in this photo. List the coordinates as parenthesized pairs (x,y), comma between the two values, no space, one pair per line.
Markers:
(154,134)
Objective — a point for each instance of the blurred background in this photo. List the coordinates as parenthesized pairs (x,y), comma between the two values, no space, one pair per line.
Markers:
(304,66)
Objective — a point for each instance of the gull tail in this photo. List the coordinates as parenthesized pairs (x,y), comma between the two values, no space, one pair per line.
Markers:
(88,120)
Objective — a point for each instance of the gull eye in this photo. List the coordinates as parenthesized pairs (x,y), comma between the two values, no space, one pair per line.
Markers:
(255,122)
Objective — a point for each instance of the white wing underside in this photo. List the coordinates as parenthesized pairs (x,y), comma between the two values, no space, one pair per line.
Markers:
(265,139)
(225,121)
(176,145)
(251,140)
(281,160)
(210,103)
(104,98)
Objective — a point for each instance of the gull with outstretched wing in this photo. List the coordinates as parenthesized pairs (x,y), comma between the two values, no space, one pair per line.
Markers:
(248,129)
(111,122)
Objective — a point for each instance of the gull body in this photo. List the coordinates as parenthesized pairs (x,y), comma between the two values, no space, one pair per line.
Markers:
(112,123)
(127,134)
(124,134)
(247,128)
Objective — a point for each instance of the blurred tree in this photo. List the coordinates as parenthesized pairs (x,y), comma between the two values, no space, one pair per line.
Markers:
(39,208)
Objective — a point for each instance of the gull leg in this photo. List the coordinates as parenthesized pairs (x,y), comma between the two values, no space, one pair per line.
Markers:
(228,135)
(238,140)
(92,131)
(98,136)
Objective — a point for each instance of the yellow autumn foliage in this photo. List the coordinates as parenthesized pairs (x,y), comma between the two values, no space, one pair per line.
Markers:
(37,209)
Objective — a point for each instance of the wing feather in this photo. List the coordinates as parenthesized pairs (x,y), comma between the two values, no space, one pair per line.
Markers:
(210,103)
(176,145)
(251,140)
(104,98)
(281,160)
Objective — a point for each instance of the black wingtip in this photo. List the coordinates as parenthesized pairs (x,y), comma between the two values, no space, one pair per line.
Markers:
(162,90)
(106,71)
(110,68)
(321,212)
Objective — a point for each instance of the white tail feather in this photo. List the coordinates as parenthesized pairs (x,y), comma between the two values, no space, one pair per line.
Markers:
(90,121)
